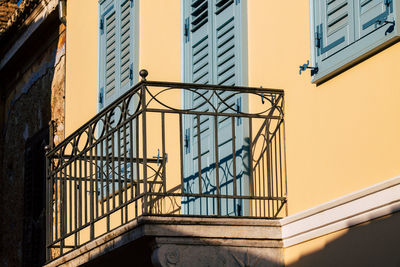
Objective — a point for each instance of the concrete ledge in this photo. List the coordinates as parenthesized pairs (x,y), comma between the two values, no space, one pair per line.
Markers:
(188,231)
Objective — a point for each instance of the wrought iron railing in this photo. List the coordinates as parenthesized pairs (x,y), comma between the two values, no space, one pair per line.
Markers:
(140,156)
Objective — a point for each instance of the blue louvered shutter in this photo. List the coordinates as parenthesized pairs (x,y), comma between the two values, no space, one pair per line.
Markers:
(126,67)
(108,53)
(116,68)
(228,71)
(198,68)
(212,49)
(116,56)
(126,41)
(348,31)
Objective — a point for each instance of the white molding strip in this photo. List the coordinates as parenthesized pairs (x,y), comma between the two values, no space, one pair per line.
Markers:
(361,206)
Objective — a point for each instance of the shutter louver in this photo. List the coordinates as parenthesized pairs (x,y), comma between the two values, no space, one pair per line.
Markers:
(125,44)
(110,66)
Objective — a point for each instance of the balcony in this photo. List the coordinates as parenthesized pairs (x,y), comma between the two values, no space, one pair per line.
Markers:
(199,157)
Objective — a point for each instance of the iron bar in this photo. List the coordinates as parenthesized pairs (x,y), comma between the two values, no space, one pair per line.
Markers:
(234,156)
(181,153)
(144,140)
(137,166)
(163,152)
(217,164)
(125,173)
(199,153)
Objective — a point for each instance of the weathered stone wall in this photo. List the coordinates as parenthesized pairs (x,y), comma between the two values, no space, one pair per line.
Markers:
(35,96)
(7,8)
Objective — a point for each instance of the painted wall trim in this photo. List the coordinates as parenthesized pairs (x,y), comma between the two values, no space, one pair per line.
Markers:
(361,206)
(34,23)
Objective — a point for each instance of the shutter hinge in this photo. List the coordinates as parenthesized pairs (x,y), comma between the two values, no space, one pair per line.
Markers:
(131,72)
(314,70)
(187,141)
(237,2)
(391,27)
(239,110)
(317,37)
(101,93)
(186,30)
(101,25)
(131,3)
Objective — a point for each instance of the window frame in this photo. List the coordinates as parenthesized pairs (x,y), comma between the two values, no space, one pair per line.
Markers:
(357,51)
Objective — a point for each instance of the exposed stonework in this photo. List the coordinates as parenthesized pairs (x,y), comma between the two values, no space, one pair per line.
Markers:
(58,90)
(13,16)
(31,98)
(7,9)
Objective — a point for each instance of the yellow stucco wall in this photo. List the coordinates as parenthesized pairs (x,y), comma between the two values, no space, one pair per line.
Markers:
(81,60)
(341,136)
(159,46)
(160,39)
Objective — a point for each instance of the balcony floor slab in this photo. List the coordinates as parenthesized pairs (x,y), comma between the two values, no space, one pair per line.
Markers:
(183,241)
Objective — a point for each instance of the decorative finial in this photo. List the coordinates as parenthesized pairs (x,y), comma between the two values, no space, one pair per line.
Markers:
(143,73)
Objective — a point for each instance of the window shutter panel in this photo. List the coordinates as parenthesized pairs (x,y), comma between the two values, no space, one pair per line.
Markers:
(228,69)
(371,15)
(126,45)
(126,35)
(212,55)
(347,31)
(108,75)
(335,29)
(225,29)
(198,69)
(116,66)
(116,55)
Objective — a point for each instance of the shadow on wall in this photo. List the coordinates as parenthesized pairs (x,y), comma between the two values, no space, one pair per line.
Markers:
(32,91)
(376,243)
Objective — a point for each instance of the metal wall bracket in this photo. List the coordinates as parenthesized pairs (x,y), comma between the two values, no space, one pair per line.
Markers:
(304,67)
(391,27)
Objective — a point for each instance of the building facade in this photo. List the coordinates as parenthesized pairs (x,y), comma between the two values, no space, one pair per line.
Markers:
(231,157)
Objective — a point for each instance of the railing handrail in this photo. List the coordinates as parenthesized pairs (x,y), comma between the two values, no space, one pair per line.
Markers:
(213,87)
